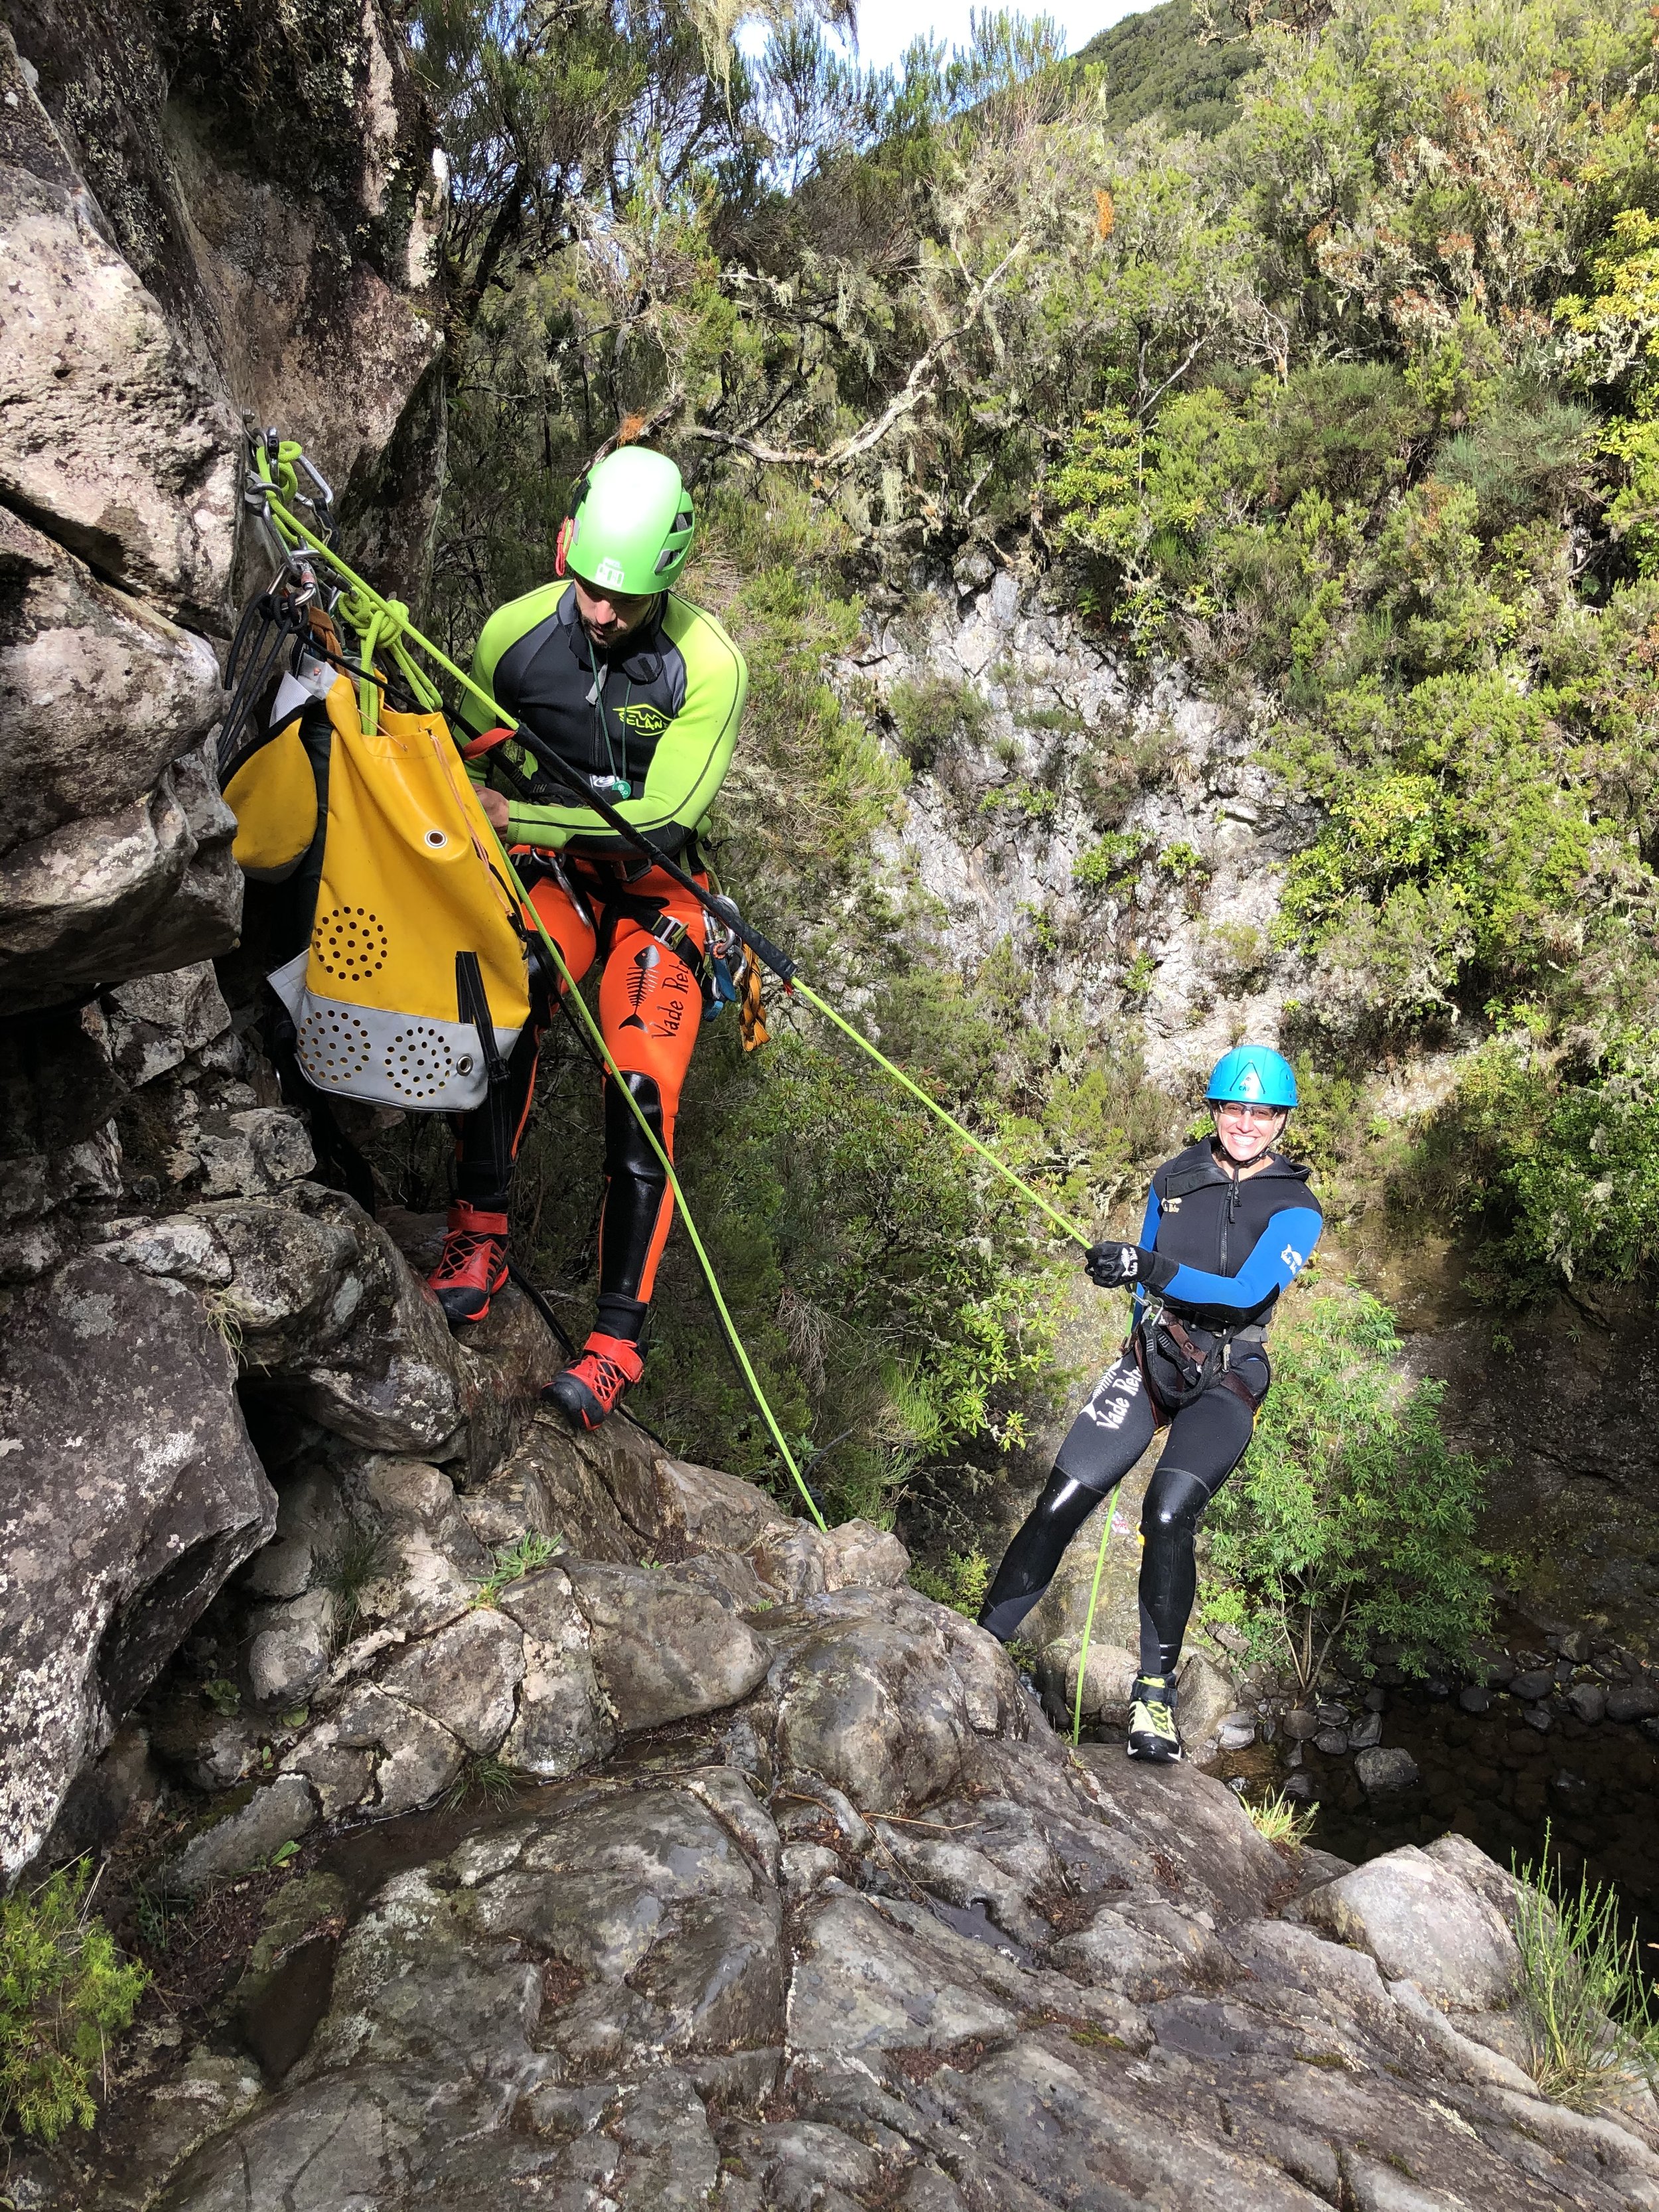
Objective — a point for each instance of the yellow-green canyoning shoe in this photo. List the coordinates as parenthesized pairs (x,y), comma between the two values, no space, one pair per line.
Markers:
(1153,1731)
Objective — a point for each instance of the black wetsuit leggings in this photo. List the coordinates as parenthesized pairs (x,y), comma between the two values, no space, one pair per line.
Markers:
(1208,1439)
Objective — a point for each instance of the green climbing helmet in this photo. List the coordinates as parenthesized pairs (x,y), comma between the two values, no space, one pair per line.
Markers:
(1252,1075)
(631,527)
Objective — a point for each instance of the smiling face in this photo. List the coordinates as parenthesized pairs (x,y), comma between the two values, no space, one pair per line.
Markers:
(1247,1133)
(608,616)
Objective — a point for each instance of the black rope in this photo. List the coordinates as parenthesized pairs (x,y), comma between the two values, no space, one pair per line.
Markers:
(553,1322)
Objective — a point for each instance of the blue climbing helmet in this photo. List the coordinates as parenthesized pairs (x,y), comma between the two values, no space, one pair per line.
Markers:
(1252,1075)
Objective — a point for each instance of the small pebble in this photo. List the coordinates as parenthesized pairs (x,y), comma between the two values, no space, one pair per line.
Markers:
(1475,1699)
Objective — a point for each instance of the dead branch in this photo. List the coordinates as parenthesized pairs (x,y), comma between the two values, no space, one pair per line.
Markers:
(915,389)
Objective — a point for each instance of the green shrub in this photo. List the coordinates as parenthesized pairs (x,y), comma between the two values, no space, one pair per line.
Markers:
(1238,956)
(63,1992)
(1351,1521)
(1554,1165)
(960,1581)
(1525,457)
(934,716)
(1116,855)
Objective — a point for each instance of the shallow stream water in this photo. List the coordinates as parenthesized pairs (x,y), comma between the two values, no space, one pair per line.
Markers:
(1500,1780)
(1591,1789)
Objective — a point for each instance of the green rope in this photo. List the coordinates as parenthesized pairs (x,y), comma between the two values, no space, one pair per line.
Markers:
(1089,1618)
(372,600)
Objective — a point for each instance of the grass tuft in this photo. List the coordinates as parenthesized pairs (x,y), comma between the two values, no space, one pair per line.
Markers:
(1279,1821)
(514,1561)
(486,1781)
(1595,2031)
(360,1557)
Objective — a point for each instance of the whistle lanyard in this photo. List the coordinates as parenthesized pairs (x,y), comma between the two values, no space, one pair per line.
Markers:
(621,785)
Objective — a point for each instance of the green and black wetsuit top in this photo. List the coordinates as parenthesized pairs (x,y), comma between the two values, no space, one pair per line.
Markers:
(657,713)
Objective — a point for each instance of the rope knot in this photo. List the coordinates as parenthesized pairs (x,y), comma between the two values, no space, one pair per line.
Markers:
(369,615)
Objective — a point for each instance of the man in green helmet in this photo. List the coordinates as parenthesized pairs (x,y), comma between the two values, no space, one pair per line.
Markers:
(620,686)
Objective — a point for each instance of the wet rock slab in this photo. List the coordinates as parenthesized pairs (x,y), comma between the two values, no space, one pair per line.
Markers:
(1066,1982)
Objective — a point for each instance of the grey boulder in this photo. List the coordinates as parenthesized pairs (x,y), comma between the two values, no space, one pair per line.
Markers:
(1383,1771)
(665,1644)
(870,1698)
(277,1814)
(1421,1920)
(129,1492)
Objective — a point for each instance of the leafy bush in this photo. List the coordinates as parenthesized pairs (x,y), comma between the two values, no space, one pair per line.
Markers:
(1555,1166)
(63,1992)
(1351,1521)
(960,1581)
(1116,855)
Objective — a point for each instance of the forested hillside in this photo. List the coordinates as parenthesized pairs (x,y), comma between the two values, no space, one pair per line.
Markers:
(1344,410)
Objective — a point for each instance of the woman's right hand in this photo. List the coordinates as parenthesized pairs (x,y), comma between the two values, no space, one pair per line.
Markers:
(1112,1266)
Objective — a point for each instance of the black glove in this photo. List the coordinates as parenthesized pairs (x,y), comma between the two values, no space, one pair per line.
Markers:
(1113,1265)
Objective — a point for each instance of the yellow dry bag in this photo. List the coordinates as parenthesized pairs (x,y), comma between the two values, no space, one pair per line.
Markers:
(414,987)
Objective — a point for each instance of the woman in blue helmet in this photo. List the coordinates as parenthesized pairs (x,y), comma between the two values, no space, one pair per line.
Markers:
(1229,1225)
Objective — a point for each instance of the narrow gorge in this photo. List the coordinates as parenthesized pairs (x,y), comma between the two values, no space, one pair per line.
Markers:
(1186,509)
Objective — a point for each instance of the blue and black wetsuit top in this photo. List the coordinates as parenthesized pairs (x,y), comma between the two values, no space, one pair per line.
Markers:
(1224,1246)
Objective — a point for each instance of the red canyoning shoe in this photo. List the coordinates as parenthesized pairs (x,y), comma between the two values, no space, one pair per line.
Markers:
(472,1266)
(590,1386)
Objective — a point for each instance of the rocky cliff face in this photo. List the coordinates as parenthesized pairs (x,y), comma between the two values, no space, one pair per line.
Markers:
(182,242)
(179,246)
(1116,831)
(530,1818)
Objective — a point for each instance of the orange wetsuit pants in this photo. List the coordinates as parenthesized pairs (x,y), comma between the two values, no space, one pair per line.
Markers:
(650,1010)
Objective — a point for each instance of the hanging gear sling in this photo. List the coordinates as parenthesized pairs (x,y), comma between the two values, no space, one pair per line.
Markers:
(272,495)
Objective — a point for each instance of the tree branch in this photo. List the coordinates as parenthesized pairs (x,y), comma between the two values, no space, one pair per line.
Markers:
(915,389)
(1192,356)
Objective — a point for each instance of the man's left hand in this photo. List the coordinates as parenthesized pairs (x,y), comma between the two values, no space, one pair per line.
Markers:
(495,807)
